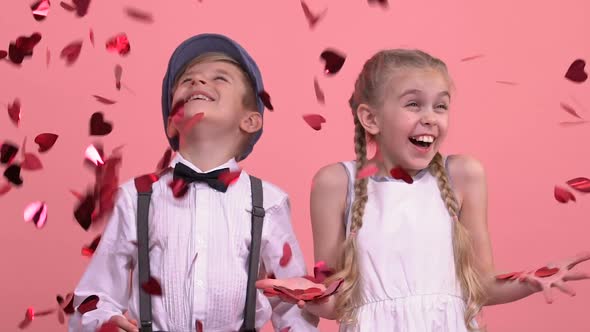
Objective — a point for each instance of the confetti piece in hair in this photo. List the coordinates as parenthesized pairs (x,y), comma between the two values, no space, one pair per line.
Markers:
(563,195)
(319,94)
(399,173)
(89,304)
(367,171)
(314,120)
(98,126)
(139,15)
(91,36)
(37,213)
(576,73)
(23,47)
(334,61)
(12,173)
(84,210)
(580,184)
(71,52)
(199,326)
(473,57)
(67,6)
(14,112)
(570,110)
(265,97)
(312,18)
(230,177)
(545,272)
(89,250)
(46,141)
(40,9)
(152,287)
(118,74)
(93,155)
(31,162)
(7,152)
(507,82)
(179,187)
(104,100)
(382,3)
(287,254)
(119,44)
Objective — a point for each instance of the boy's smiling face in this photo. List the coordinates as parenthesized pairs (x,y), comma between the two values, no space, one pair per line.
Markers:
(216,87)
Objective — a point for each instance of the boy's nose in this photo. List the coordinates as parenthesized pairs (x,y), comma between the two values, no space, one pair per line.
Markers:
(200,80)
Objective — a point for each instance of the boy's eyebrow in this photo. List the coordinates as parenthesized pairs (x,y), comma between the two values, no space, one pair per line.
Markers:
(217,70)
(416,91)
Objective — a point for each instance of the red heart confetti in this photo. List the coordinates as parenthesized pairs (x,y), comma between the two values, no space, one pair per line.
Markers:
(88,304)
(563,195)
(3,54)
(545,272)
(314,120)
(286,255)
(509,276)
(576,73)
(98,126)
(321,271)
(473,57)
(23,47)
(144,183)
(165,160)
(106,185)
(139,15)
(334,61)
(230,177)
(71,52)
(382,3)
(81,7)
(570,110)
(580,184)
(265,97)
(400,174)
(118,74)
(309,294)
(7,152)
(199,326)
(12,173)
(37,213)
(312,19)
(319,94)
(89,250)
(67,6)
(104,100)
(119,44)
(31,162)
(84,210)
(91,36)
(152,287)
(40,9)
(367,171)
(179,187)
(14,112)
(46,141)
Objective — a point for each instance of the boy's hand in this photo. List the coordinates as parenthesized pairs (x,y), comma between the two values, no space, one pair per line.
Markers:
(123,323)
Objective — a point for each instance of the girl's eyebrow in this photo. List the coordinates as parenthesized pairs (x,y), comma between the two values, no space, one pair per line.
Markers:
(416,91)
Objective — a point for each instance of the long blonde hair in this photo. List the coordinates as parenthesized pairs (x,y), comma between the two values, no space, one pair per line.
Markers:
(369,89)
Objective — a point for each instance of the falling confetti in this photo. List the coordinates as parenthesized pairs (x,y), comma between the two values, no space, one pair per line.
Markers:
(37,213)
(334,61)
(319,94)
(580,184)
(152,287)
(265,97)
(286,258)
(570,110)
(46,141)
(40,9)
(312,18)
(399,173)
(314,120)
(118,74)
(98,126)
(119,44)
(576,73)
(563,195)
(139,15)
(23,47)
(71,52)
(104,100)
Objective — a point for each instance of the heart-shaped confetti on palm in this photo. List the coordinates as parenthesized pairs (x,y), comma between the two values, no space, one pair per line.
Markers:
(152,287)
(309,294)
(46,141)
(14,112)
(40,9)
(118,44)
(314,120)
(580,184)
(576,73)
(563,195)
(334,60)
(399,173)
(287,254)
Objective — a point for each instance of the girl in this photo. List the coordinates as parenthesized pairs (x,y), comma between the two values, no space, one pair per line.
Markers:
(410,241)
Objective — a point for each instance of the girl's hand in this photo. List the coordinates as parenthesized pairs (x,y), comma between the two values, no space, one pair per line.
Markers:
(556,275)
(122,323)
(292,284)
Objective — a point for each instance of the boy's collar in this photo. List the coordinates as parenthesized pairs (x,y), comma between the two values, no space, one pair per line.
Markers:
(232,164)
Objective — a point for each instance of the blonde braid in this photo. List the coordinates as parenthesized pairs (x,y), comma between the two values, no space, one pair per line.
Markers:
(464,261)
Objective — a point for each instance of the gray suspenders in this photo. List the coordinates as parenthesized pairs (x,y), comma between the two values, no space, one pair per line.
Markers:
(145,300)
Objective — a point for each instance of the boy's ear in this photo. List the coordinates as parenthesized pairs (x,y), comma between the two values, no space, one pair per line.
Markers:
(368,119)
(251,122)
(171,130)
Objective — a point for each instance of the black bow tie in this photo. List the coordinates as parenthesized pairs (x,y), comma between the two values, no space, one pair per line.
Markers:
(181,171)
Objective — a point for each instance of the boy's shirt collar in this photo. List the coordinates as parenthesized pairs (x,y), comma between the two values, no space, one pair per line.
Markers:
(232,164)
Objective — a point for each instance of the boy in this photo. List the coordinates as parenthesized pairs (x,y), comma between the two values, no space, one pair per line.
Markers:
(200,239)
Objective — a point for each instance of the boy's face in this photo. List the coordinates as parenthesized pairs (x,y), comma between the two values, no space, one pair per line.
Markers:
(217,89)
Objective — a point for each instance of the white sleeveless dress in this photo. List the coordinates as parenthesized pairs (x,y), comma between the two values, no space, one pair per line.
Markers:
(408,281)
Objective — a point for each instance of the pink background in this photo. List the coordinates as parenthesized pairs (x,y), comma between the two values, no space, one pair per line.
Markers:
(513,129)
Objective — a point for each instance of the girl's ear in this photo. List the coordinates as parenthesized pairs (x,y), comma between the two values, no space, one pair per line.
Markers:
(368,119)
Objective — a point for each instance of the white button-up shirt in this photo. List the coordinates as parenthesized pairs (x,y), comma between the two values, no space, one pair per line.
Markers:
(199,247)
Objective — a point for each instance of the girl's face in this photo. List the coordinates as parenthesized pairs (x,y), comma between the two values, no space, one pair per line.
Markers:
(412,121)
